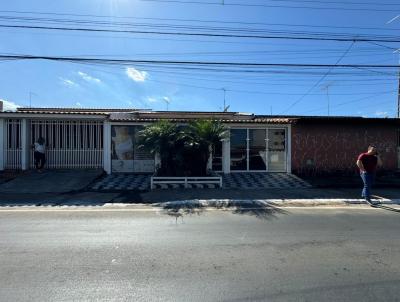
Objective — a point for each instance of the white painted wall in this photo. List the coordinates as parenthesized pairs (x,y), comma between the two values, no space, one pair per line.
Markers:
(226,156)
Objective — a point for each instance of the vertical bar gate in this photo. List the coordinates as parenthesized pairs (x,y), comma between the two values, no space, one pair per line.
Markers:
(13,144)
(69,144)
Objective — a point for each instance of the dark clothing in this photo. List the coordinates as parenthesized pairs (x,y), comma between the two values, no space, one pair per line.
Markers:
(369,162)
(367,179)
(40,159)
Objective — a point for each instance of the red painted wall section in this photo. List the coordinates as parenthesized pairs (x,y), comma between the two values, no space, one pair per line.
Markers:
(319,149)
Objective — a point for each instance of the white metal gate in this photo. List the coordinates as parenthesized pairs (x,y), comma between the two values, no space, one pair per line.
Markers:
(69,144)
(13,144)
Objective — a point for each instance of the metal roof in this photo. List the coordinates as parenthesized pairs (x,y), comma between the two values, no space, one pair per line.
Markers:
(147,115)
(226,117)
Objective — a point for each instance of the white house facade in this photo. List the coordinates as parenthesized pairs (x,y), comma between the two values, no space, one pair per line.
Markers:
(107,139)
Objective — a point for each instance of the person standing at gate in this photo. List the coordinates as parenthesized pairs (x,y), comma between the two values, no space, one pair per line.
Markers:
(39,154)
(367,163)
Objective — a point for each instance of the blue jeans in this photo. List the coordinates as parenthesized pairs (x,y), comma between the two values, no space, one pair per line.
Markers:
(367,179)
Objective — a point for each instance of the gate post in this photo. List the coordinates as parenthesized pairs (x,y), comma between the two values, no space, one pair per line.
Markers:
(24,145)
(107,147)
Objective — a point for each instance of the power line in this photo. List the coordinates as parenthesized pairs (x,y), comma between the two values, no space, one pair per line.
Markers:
(354,101)
(231,90)
(199,34)
(321,79)
(195,20)
(212,29)
(337,2)
(201,63)
(169,26)
(273,5)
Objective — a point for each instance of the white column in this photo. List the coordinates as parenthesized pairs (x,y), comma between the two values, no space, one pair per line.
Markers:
(2,144)
(226,156)
(107,147)
(289,149)
(24,144)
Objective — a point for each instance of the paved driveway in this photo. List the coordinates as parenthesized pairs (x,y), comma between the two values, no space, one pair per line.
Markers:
(50,181)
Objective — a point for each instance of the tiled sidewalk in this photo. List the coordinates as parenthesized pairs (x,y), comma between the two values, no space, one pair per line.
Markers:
(122,182)
(141,182)
(263,181)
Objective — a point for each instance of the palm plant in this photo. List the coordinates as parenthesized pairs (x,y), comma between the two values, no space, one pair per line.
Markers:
(163,138)
(182,150)
(201,138)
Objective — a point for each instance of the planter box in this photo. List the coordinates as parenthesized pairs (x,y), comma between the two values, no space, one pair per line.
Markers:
(186,181)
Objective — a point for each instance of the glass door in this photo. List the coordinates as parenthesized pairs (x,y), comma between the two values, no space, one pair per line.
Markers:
(257,150)
(276,150)
(239,149)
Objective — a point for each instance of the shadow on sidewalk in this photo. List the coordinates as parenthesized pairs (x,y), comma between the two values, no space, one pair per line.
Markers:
(257,209)
(383,207)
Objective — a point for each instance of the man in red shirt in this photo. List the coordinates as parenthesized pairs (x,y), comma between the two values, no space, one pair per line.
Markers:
(367,163)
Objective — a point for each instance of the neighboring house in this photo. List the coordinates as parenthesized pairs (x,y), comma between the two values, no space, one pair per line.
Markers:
(107,138)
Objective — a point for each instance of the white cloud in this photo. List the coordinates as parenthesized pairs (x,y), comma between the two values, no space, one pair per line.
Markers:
(68,82)
(136,75)
(152,100)
(78,104)
(9,105)
(158,99)
(381,113)
(89,78)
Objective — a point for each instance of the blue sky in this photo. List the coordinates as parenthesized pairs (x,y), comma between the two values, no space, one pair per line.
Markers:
(65,84)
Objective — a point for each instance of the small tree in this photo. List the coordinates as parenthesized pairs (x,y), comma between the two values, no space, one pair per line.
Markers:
(183,150)
(163,138)
(201,137)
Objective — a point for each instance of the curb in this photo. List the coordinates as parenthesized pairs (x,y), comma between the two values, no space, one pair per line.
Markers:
(209,204)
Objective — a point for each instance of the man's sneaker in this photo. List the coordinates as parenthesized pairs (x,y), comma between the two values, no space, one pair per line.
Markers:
(372,202)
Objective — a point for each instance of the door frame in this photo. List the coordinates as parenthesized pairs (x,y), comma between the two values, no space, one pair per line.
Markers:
(285,127)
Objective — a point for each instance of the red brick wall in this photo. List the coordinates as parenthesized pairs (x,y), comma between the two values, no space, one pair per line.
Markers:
(322,148)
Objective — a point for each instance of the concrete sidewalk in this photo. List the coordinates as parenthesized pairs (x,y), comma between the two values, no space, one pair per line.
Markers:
(50,181)
(181,208)
(112,201)
(82,197)
(68,188)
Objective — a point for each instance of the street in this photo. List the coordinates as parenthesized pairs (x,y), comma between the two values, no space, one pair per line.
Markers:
(292,254)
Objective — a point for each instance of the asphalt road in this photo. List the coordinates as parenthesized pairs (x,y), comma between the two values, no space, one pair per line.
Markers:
(288,255)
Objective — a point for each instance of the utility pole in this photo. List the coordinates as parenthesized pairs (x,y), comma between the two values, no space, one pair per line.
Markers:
(167,101)
(225,108)
(224,90)
(326,87)
(398,87)
(30,98)
(398,51)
